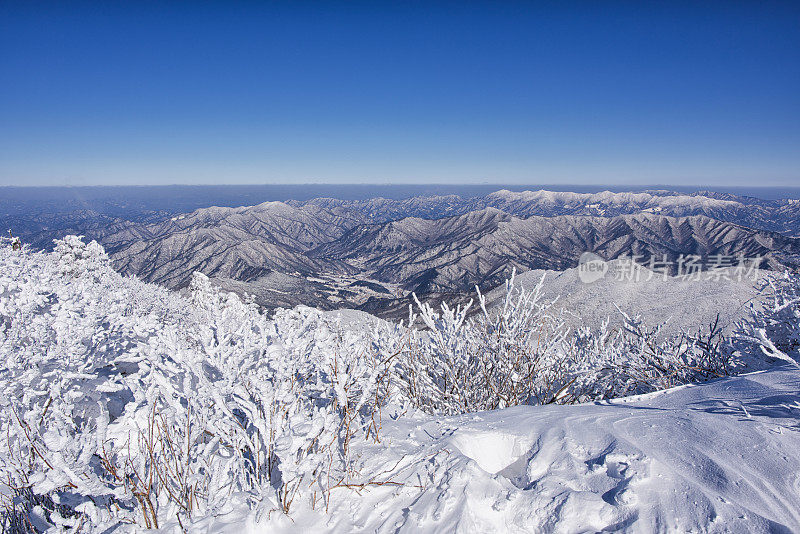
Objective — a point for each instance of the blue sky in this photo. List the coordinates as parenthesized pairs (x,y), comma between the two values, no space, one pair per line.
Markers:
(584,93)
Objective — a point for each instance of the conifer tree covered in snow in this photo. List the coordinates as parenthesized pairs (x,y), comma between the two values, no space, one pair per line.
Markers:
(124,403)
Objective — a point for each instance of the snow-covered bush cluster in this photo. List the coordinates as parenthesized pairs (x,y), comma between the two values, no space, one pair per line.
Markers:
(775,323)
(521,352)
(636,359)
(123,402)
(505,357)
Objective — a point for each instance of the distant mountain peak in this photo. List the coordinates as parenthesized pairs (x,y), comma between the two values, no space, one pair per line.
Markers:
(370,253)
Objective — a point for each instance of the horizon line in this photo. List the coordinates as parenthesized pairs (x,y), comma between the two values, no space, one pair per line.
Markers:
(405,184)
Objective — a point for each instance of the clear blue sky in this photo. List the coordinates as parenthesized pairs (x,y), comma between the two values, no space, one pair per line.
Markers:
(595,92)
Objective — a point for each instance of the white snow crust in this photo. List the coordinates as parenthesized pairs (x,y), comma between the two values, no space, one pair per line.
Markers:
(717,457)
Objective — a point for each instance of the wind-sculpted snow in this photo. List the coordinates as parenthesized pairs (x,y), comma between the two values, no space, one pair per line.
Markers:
(127,407)
(710,458)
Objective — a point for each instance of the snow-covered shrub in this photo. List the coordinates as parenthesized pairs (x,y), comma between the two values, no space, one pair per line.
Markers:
(520,352)
(635,359)
(335,384)
(67,324)
(77,258)
(774,324)
(512,354)
(523,343)
(123,402)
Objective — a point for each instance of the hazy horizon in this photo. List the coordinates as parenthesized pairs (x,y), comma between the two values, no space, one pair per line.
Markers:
(187,197)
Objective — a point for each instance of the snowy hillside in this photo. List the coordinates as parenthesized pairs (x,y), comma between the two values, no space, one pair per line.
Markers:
(680,303)
(128,407)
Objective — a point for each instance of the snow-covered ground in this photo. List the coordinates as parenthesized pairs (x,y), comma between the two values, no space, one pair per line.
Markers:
(126,407)
(683,303)
(716,457)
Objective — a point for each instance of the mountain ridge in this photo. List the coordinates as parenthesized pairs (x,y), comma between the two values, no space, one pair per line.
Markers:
(343,255)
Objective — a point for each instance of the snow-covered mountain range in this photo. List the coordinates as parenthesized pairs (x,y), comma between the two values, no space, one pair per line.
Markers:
(371,254)
(781,216)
